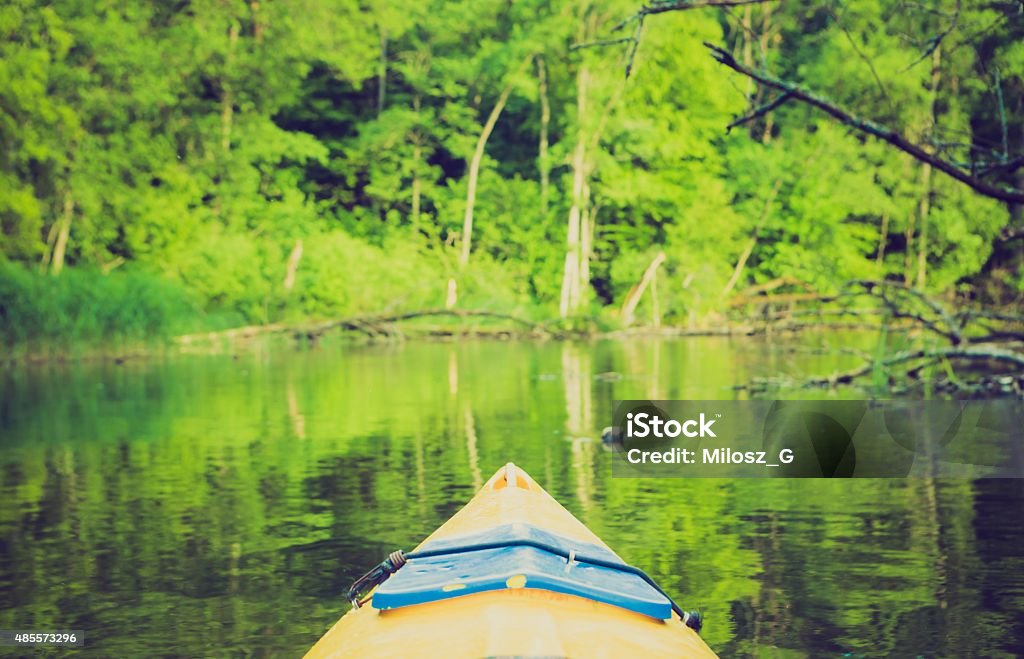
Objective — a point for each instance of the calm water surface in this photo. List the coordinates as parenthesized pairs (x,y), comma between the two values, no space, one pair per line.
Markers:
(222,505)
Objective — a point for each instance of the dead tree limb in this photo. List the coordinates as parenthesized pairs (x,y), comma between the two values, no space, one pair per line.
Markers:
(601,44)
(976,353)
(657,7)
(372,325)
(1009,195)
(752,242)
(936,41)
(954,330)
(378,320)
(981,340)
(683,5)
(759,112)
(634,295)
(1008,167)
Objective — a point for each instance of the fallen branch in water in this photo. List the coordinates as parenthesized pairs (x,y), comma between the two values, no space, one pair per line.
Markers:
(372,325)
(363,322)
(975,354)
(986,344)
(899,308)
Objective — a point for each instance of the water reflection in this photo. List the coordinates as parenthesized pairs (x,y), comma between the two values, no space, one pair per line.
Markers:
(579,424)
(170,499)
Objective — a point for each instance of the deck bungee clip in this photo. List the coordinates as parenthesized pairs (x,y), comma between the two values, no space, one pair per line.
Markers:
(376,576)
(397,559)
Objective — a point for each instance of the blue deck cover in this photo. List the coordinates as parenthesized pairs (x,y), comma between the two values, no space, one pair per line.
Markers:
(435,578)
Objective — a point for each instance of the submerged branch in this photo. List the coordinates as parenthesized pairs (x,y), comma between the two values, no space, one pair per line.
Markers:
(982,341)
(977,353)
(373,325)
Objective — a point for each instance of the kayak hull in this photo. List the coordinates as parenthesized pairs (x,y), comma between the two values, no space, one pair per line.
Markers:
(515,620)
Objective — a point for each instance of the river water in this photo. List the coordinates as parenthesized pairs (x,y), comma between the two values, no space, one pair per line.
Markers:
(221,505)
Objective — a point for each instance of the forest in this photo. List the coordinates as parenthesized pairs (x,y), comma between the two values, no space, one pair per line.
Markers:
(171,167)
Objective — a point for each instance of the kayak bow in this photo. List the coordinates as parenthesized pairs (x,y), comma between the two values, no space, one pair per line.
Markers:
(512,573)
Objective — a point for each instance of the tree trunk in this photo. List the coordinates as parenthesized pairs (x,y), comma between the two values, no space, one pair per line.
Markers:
(417,156)
(416,191)
(543,164)
(51,238)
(382,71)
(883,237)
(570,299)
(749,249)
(747,23)
(908,258)
(452,296)
(926,177)
(655,304)
(634,295)
(587,218)
(257,21)
(227,100)
(293,265)
(766,28)
(60,247)
(924,208)
(474,174)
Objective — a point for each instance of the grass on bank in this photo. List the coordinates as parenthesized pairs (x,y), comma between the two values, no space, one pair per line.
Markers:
(82,311)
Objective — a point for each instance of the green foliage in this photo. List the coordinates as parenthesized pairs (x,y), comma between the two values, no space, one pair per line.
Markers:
(201,144)
(344,276)
(85,308)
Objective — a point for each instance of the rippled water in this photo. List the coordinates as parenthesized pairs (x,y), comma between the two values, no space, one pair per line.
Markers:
(222,505)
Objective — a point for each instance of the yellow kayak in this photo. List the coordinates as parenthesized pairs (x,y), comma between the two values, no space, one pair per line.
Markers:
(511,574)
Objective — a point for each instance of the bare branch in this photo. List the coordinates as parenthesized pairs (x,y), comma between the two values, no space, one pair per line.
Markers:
(658,7)
(1009,195)
(1002,113)
(867,60)
(1009,234)
(636,44)
(600,44)
(976,353)
(973,38)
(936,41)
(683,5)
(954,331)
(1007,167)
(759,112)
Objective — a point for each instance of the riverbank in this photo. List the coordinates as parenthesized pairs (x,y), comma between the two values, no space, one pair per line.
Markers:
(475,325)
(919,342)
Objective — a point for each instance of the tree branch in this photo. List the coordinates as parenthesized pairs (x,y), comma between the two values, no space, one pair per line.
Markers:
(683,5)
(760,112)
(1008,195)
(1007,167)
(976,353)
(600,44)
(954,331)
(867,60)
(657,7)
(1010,234)
(936,41)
